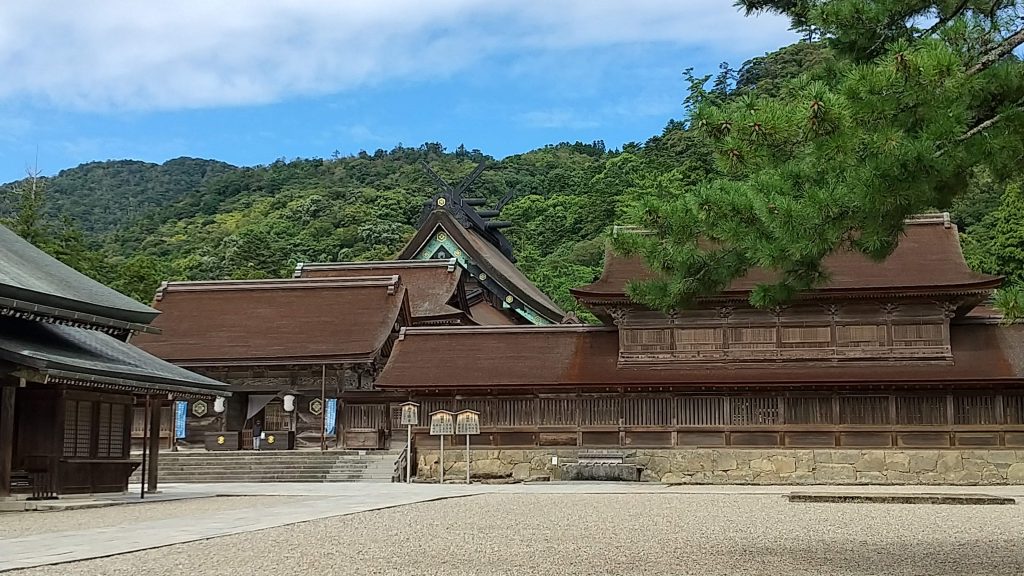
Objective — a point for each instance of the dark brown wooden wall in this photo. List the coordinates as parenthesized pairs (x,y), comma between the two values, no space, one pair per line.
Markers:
(919,420)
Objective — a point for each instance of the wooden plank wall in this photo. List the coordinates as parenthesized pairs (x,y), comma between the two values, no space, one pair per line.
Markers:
(926,420)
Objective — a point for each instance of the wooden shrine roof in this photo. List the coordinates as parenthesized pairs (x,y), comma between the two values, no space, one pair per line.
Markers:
(927,260)
(488,258)
(66,354)
(34,284)
(289,321)
(431,283)
(524,357)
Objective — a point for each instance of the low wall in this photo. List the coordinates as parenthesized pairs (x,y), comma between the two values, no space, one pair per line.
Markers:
(742,466)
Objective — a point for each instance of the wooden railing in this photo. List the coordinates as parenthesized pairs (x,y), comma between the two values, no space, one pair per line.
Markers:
(398,475)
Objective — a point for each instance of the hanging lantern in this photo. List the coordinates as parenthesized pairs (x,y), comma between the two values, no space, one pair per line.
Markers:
(289,402)
(218,405)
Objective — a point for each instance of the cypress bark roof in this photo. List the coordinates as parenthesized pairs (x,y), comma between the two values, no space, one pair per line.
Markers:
(488,258)
(431,283)
(586,357)
(33,282)
(84,357)
(291,321)
(928,259)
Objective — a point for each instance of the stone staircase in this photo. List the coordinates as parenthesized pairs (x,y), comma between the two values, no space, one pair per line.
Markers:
(275,466)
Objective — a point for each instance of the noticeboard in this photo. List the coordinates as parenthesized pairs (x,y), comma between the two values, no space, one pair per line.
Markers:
(442,424)
(410,414)
(468,423)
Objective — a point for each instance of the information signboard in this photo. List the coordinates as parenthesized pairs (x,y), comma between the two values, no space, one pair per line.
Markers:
(442,423)
(468,422)
(410,414)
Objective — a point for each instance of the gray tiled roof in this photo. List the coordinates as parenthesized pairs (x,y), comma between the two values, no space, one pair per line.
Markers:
(83,354)
(30,275)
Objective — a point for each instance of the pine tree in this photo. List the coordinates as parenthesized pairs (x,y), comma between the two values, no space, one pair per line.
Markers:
(918,96)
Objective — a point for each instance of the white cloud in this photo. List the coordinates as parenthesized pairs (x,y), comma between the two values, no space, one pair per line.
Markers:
(131,54)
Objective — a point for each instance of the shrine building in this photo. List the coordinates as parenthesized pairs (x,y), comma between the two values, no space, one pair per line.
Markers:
(886,360)
(69,382)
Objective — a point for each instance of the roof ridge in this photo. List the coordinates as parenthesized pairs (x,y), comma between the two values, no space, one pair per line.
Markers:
(449,263)
(501,329)
(391,282)
(922,218)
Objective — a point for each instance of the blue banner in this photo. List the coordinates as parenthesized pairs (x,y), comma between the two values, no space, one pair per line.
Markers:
(331,416)
(180,411)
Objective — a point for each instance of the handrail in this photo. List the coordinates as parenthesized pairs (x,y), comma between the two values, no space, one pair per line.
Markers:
(398,475)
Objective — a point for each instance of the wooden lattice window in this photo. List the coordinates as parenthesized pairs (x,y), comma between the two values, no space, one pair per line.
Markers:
(866,410)
(648,411)
(110,431)
(1014,407)
(861,335)
(762,338)
(600,411)
(921,410)
(754,410)
(275,418)
(514,412)
(78,427)
(806,337)
(366,416)
(689,339)
(809,410)
(974,410)
(646,339)
(701,411)
(917,335)
(557,411)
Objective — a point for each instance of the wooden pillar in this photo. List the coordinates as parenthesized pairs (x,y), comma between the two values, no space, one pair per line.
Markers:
(6,438)
(155,409)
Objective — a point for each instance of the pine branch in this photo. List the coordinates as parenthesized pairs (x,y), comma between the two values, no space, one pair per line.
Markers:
(979,128)
(946,19)
(997,52)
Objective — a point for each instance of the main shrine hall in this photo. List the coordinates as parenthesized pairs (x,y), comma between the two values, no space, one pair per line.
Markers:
(892,357)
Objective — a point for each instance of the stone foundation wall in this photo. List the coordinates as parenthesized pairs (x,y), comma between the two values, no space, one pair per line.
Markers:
(742,466)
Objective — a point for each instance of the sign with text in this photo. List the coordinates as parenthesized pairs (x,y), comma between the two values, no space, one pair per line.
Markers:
(467,422)
(410,414)
(442,423)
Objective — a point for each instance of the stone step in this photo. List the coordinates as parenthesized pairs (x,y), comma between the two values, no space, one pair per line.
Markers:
(293,466)
(251,466)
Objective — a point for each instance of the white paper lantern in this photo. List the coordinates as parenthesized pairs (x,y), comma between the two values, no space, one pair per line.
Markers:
(218,405)
(289,402)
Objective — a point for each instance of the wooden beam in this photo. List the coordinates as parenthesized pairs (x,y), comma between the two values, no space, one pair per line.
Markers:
(6,438)
(155,409)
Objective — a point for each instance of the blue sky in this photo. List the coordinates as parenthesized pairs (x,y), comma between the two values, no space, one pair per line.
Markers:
(251,81)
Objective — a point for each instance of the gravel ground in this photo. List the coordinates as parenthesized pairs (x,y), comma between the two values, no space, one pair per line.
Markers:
(647,534)
(17,524)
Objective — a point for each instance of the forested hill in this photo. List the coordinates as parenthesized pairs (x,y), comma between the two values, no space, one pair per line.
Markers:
(101,196)
(134,224)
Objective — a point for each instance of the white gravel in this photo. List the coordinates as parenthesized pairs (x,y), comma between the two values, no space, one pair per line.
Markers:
(18,524)
(648,534)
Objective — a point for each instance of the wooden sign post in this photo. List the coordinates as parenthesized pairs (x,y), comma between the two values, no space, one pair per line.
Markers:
(410,417)
(467,422)
(442,423)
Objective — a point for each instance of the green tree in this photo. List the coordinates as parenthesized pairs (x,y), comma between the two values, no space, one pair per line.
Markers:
(996,245)
(921,94)
(29,219)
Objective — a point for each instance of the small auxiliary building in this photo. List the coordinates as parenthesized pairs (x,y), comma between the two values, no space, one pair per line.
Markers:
(69,382)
